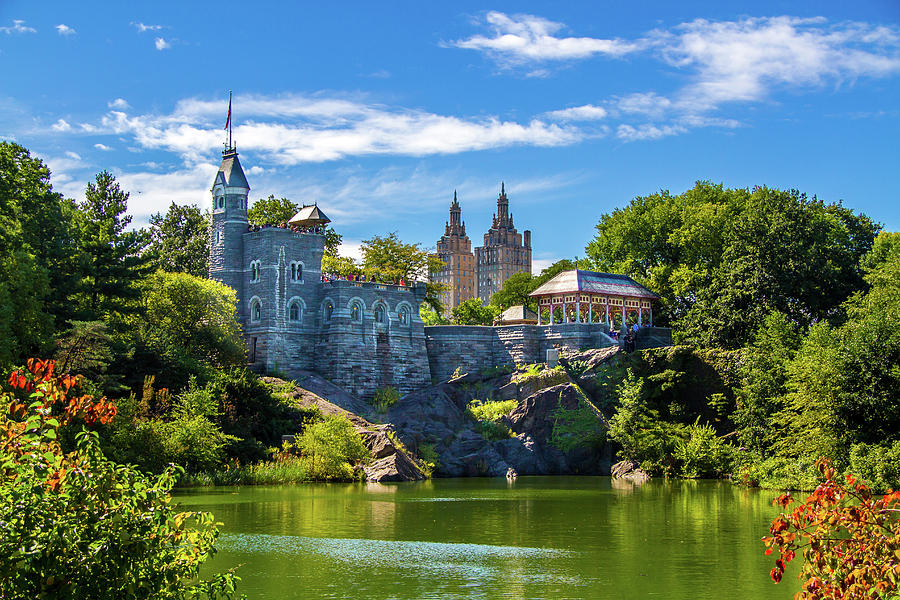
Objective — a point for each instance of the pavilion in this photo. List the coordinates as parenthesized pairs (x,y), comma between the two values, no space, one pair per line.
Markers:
(586,293)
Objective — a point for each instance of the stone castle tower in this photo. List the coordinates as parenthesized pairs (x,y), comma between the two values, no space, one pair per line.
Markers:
(360,335)
(455,250)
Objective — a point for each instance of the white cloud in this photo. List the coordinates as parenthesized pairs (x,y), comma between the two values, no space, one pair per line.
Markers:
(524,38)
(296,129)
(742,60)
(119,103)
(18,26)
(539,264)
(73,155)
(61,125)
(65,29)
(162,44)
(102,147)
(648,131)
(141,27)
(587,112)
(351,249)
(650,104)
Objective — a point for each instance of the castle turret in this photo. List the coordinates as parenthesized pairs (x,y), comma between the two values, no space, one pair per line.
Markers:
(229,222)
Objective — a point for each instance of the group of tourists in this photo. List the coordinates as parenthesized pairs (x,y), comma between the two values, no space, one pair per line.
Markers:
(358,276)
(627,336)
(294,228)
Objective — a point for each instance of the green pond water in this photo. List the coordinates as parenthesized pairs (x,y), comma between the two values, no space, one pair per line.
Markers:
(539,537)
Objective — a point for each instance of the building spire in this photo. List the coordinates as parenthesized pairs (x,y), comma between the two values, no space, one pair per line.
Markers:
(502,184)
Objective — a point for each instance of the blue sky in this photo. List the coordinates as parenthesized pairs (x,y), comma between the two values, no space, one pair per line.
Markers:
(378,111)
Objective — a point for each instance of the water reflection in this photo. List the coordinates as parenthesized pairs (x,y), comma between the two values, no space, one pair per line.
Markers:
(482,538)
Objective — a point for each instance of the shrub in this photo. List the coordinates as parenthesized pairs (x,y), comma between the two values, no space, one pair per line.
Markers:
(490,410)
(77,525)
(780,473)
(385,398)
(538,374)
(431,460)
(703,453)
(879,465)
(331,448)
(493,431)
(638,429)
(581,427)
(849,537)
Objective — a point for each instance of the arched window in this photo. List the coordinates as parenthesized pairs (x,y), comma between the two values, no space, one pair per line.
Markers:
(329,310)
(356,311)
(293,272)
(220,202)
(299,271)
(255,311)
(294,312)
(404,316)
(380,314)
(254,271)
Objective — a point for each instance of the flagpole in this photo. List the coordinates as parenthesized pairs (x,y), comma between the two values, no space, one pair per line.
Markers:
(229,120)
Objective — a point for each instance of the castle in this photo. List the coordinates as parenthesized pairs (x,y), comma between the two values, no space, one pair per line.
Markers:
(468,275)
(361,336)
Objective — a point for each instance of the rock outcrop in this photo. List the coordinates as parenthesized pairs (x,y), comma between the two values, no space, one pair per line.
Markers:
(629,470)
(391,461)
(433,421)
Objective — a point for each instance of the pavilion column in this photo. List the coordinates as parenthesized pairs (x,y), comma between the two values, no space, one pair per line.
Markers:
(607,314)
(539,311)
(640,315)
(651,315)
(590,312)
(578,311)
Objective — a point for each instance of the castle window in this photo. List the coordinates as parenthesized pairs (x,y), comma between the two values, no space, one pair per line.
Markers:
(254,271)
(379,314)
(294,312)
(220,202)
(218,237)
(297,272)
(404,316)
(329,310)
(356,311)
(255,311)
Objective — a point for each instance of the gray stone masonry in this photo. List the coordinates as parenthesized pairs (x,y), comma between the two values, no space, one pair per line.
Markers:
(474,348)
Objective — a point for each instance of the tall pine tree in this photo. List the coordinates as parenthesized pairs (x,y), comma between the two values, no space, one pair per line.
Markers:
(112,255)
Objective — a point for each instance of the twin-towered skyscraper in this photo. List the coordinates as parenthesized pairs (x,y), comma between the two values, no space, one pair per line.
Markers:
(478,275)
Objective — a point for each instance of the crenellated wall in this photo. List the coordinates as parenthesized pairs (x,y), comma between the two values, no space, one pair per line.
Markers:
(474,348)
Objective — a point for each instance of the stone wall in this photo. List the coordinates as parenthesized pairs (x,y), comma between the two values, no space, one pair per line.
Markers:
(474,348)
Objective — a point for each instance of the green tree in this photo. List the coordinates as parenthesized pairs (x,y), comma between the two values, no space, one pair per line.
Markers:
(472,312)
(515,291)
(113,263)
(179,240)
(38,255)
(331,448)
(190,322)
(271,211)
(77,525)
(763,379)
(723,259)
(388,259)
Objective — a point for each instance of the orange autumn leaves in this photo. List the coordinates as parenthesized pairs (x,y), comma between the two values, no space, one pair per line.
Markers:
(29,425)
(849,537)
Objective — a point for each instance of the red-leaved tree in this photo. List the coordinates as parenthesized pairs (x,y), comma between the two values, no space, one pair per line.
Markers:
(849,537)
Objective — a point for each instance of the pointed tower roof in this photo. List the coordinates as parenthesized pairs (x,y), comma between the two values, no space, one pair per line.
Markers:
(231,172)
